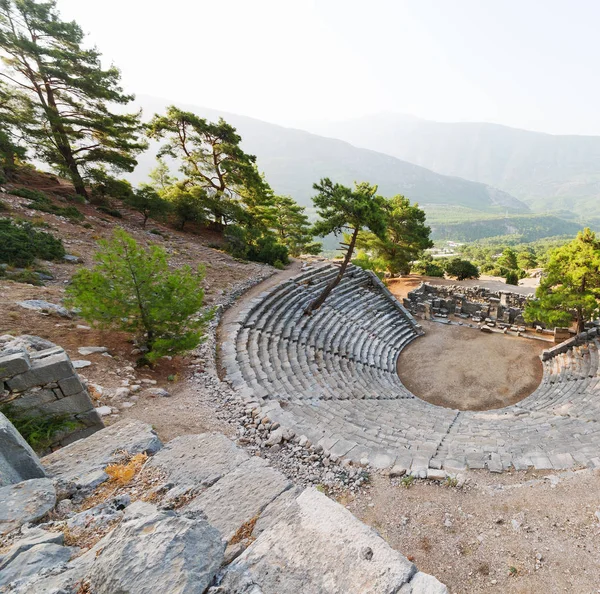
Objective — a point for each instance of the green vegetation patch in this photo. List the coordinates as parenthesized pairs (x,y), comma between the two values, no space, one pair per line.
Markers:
(39,431)
(21,244)
(39,201)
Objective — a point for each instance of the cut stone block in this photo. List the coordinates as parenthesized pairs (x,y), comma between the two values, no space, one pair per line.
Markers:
(14,364)
(43,371)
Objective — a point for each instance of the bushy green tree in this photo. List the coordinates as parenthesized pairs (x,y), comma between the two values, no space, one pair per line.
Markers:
(148,202)
(342,209)
(508,259)
(210,156)
(570,287)
(461,269)
(427,266)
(406,238)
(73,129)
(526,259)
(131,288)
(512,277)
(256,244)
(292,227)
(187,204)
(160,177)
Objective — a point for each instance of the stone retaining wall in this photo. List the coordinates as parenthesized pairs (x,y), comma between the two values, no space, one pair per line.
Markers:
(44,383)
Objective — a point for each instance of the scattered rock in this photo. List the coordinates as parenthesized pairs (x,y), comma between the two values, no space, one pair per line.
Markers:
(44,306)
(153,392)
(90,350)
(81,363)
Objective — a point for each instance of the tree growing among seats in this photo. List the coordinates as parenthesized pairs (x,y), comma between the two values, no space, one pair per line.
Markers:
(131,288)
(345,209)
(73,129)
(570,287)
(407,236)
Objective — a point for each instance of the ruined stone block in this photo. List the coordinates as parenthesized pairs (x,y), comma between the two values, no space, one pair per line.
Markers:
(14,364)
(18,462)
(43,371)
(70,385)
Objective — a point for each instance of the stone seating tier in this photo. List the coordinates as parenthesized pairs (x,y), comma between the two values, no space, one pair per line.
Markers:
(331,378)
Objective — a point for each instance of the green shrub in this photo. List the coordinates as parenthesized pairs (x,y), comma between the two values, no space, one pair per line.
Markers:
(250,244)
(512,277)
(26,276)
(131,288)
(39,201)
(3,206)
(20,244)
(113,212)
(461,269)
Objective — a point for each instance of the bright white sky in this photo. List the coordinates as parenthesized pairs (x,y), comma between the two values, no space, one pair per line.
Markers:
(525,63)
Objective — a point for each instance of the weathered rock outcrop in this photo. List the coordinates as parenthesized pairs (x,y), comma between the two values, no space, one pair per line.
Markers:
(234,525)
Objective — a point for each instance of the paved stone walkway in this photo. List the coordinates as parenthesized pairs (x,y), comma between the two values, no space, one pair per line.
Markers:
(331,377)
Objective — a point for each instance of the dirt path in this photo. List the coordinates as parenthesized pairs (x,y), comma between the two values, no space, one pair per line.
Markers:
(463,368)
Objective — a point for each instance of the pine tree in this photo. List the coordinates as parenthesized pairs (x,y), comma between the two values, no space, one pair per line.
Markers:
(15,114)
(131,288)
(210,156)
(341,208)
(147,201)
(74,128)
(292,227)
(407,236)
(570,287)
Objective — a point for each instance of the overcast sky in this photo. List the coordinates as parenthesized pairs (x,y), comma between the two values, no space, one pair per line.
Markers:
(525,63)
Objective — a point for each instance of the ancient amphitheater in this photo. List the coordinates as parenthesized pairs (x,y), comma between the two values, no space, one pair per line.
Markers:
(331,378)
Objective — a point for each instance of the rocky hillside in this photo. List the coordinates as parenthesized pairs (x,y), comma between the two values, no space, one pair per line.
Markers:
(119,388)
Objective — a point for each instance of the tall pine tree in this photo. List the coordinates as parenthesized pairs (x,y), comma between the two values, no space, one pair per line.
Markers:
(210,157)
(75,130)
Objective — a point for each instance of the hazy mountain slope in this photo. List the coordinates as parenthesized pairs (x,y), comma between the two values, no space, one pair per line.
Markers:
(293,160)
(548,172)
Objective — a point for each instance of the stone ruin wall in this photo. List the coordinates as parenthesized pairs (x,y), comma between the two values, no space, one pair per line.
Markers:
(44,383)
(477,303)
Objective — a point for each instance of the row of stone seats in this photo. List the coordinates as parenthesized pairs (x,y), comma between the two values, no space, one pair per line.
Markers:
(331,377)
(356,334)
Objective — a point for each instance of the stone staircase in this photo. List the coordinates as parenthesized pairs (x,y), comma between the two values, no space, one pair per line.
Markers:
(330,379)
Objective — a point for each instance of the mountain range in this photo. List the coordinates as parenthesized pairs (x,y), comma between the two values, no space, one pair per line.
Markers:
(548,172)
(292,160)
(427,162)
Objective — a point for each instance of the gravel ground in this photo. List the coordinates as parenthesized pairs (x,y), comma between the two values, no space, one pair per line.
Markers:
(521,532)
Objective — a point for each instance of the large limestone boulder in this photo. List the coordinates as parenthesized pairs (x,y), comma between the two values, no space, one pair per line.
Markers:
(319,547)
(18,462)
(240,496)
(25,502)
(34,561)
(161,552)
(198,461)
(81,464)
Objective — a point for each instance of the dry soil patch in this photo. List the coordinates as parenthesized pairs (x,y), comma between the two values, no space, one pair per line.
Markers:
(463,368)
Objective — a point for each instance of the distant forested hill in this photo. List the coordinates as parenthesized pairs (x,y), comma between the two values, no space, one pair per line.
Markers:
(548,172)
(293,160)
